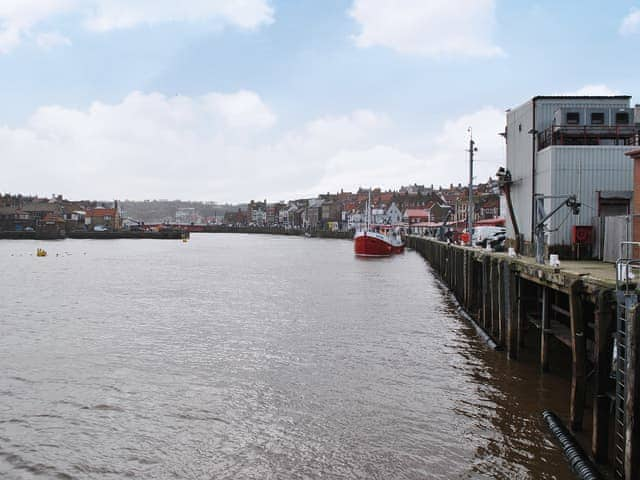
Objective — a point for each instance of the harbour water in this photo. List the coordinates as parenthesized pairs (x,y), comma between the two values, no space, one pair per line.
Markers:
(254,357)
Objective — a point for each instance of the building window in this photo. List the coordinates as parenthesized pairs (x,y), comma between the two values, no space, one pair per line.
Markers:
(597,118)
(573,118)
(622,118)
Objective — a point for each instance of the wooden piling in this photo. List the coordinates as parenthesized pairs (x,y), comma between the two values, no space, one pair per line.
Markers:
(502,302)
(601,402)
(578,357)
(512,310)
(495,299)
(522,313)
(486,292)
(471,287)
(545,327)
(507,294)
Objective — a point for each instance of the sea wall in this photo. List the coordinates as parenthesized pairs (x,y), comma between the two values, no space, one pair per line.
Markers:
(549,314)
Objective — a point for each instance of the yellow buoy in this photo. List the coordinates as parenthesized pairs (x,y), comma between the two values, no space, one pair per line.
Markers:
(41,252)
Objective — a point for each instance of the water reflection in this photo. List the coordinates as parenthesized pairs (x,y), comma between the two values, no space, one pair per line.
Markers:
(239,356)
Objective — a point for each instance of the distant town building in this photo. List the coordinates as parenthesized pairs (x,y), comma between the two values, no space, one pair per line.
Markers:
(108,218)
(393,215)
(415,215)
(187,216)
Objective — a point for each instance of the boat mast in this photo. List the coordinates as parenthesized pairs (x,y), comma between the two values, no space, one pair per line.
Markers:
(369,211)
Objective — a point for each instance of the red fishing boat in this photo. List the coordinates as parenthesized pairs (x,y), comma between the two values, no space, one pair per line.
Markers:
(369,243)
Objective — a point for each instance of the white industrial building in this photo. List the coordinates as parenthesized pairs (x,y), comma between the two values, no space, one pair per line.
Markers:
(558,146)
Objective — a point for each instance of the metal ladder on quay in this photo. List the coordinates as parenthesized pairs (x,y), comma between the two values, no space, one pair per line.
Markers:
(627,299)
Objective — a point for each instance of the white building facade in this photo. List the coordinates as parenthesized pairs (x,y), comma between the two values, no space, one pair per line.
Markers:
(560,146)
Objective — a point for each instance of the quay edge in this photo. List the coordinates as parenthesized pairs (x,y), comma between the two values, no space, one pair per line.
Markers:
(574,307)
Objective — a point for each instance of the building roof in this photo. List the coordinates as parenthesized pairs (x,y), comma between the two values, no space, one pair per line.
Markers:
(633,153)
(416,212)
(101,212)
(581,97)
(534,99)
(8,210)
(41,207)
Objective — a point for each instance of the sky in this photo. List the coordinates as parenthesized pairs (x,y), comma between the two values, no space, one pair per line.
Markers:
(232,100)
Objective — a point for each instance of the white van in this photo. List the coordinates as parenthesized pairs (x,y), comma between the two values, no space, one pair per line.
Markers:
(483,233)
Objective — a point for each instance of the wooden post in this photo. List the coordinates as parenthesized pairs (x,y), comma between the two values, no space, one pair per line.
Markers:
(601,402)
(493,288)
(632,401)
(471,287)
(460,275)
(522,313)
(486,292)
(501,301)
(545,325)
(511,309)
(578,358)
(470,278)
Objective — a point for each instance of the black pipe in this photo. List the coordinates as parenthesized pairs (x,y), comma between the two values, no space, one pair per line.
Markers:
(514,222)
(479,330)
(461,311)
(578,459)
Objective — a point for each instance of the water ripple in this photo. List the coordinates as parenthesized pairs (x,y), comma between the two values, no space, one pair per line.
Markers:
(253,357)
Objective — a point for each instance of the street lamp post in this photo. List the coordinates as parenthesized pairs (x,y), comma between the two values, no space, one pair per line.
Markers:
(470,209)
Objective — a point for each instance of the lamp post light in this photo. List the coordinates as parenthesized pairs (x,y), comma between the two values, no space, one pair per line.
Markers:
(470,209)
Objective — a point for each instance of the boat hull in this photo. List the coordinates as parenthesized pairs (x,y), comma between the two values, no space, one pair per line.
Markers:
(397,248)
(372,245)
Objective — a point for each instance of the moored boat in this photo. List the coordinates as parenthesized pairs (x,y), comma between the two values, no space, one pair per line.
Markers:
(371,243)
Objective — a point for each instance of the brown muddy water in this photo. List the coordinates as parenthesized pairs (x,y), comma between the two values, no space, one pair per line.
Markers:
(254,357)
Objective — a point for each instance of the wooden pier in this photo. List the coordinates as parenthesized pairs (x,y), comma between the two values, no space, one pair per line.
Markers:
(522,306)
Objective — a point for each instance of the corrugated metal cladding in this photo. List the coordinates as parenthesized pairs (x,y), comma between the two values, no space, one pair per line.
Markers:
(544,170)
(520,160)
(546,108)
(519,157)
(583,171)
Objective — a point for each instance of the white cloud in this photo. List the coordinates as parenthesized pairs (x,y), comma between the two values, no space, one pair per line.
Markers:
(452,144)
(49,40)
(631,23)
(591,90)
(223,147)
(376,166)
(20,19)
(241,109)
(432,28)
(107,15)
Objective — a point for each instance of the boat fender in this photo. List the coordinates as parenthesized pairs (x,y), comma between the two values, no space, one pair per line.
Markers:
(578,459)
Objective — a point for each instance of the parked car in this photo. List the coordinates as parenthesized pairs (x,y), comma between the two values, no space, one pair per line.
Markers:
(100,228)
(484,234)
